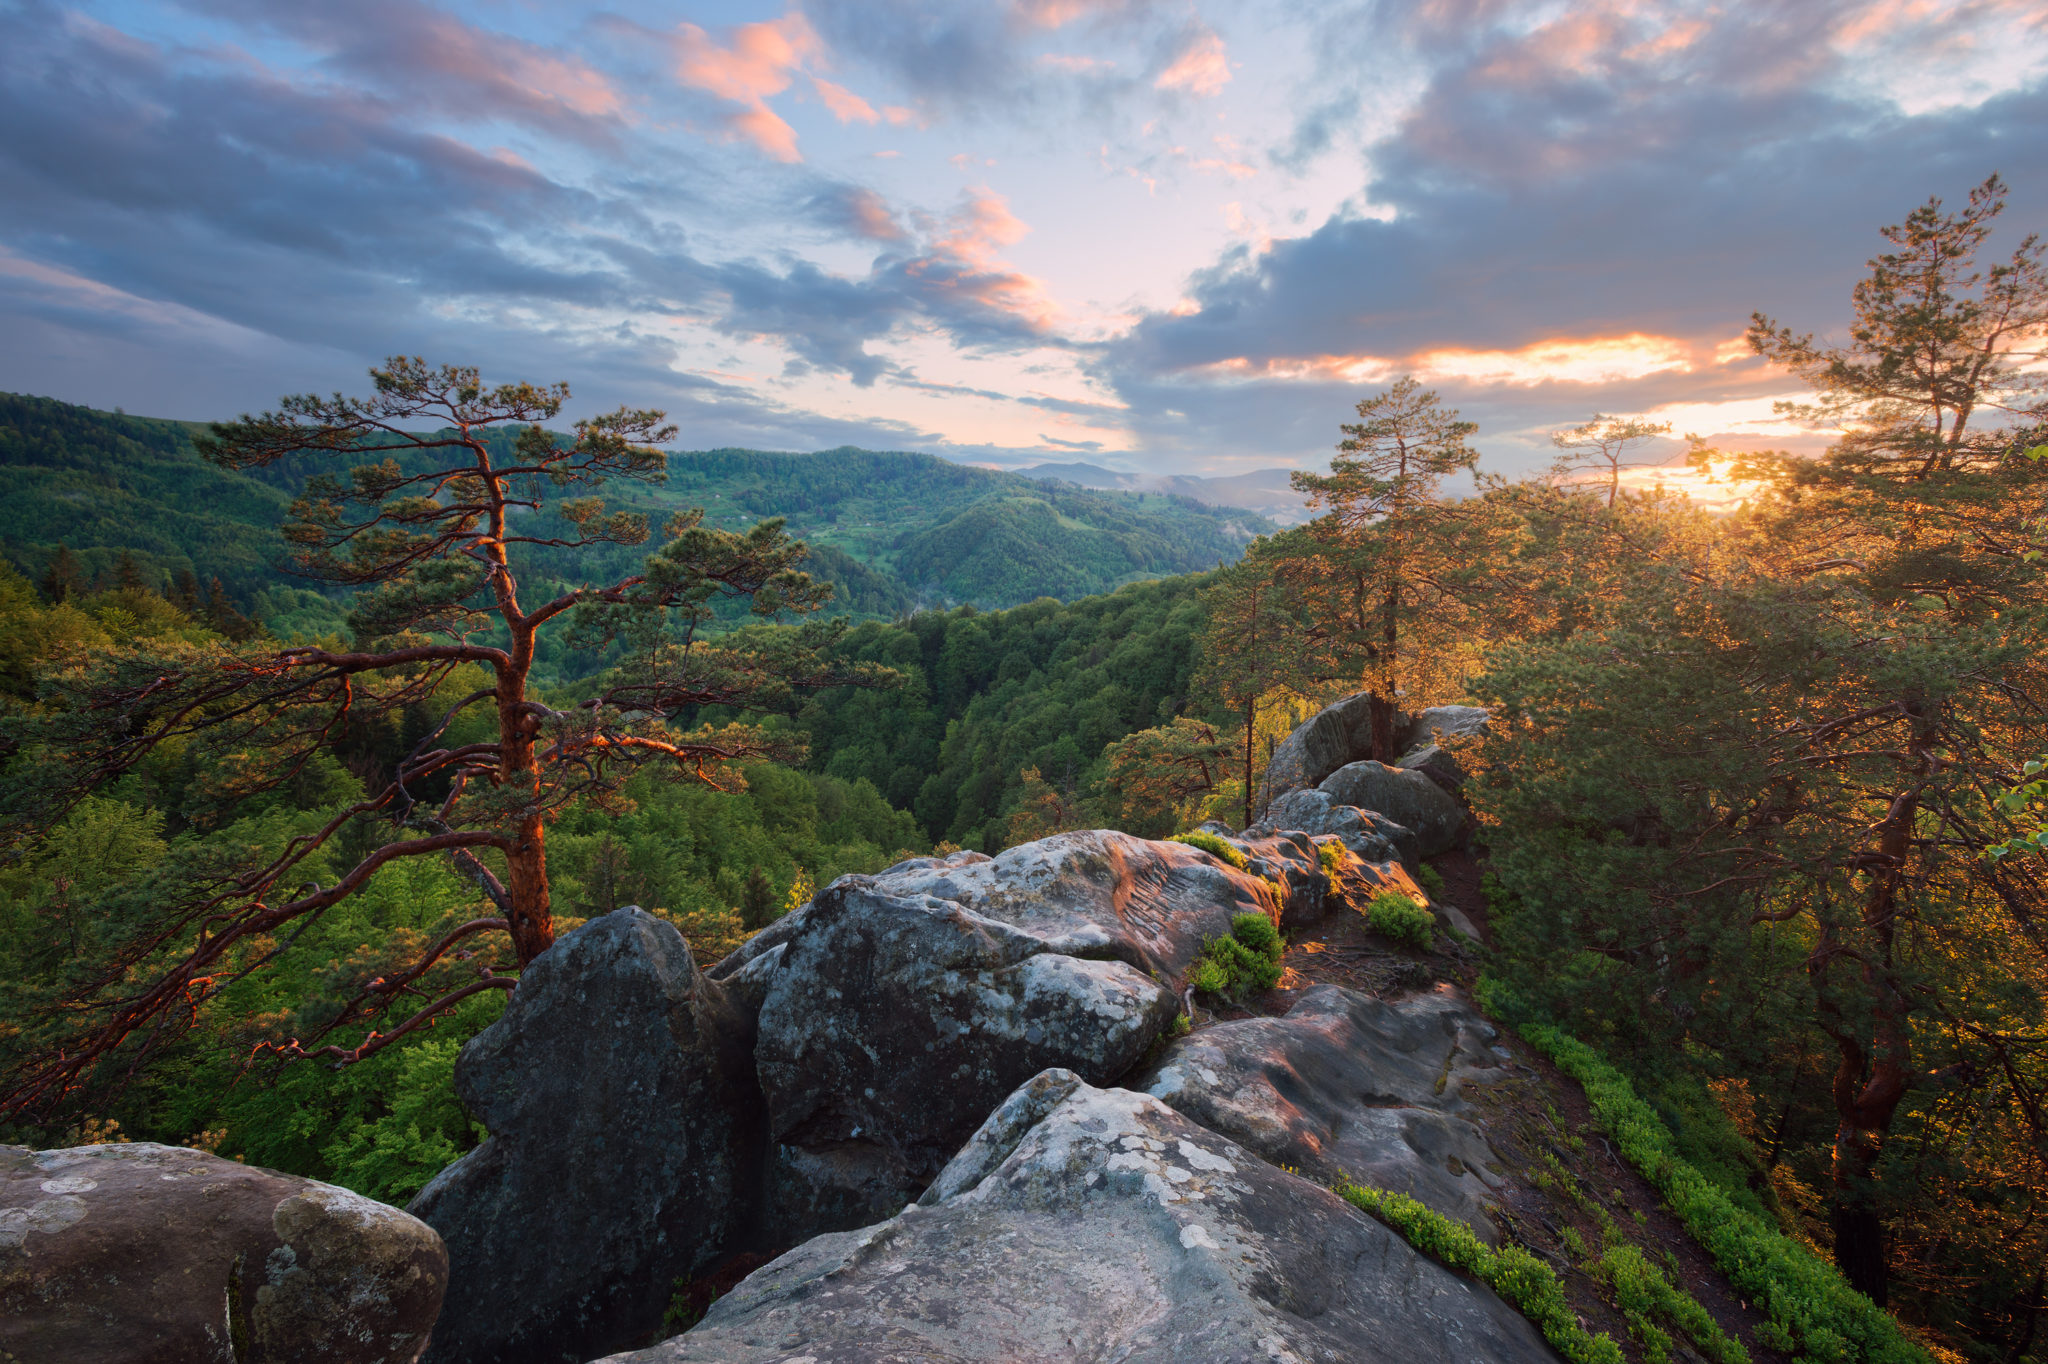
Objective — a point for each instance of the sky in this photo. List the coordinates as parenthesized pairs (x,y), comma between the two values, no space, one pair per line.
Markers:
(1164,237)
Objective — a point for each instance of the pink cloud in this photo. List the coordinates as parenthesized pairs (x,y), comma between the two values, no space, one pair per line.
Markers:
(1202,68)
(965,265)
(871,216)
(846,106)
(762,61)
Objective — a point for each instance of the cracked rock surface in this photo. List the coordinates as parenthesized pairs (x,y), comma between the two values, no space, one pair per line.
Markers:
(897,1010)
(1345,1084)
(1097,1224)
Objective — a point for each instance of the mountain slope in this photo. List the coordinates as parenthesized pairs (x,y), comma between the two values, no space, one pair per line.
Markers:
(894,530)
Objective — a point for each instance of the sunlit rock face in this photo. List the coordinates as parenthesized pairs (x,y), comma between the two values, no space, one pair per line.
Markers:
(1339,733)
(1348,1084)
(625,1122)
(1082,1223)
(138,1253)
(901,1008)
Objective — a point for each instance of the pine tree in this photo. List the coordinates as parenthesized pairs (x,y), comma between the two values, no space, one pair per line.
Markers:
(432,547)
(1376,544)
(64,578)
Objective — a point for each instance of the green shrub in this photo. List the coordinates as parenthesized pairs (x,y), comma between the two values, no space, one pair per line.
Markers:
(1331,854)
(1524,1282)
(1215,845)
(1432,882)
(1812,1312)
(1248,959)
(1208,976)
(1644,1296)
(1393,915)
(1256,931)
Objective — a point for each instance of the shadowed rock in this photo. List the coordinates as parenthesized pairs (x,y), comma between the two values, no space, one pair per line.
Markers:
(1346,1084)
(625,1135)
(1411,799)
(139,1253)
(1372,836)
(1110,1228)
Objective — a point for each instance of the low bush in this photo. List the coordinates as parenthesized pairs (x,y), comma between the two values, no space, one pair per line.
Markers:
(1431,881)
(1811,1311)
(1524,1282)
(1247,959)
(1331,854)
(1393,915)
(1215,845)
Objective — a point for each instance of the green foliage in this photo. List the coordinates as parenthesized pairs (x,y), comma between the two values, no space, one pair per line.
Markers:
(1524,1282)
(1331,854)
(1257,932)
(990,694)
(1647,1298)
(392,1156)
(1432,881)
(1215,845)
(1813,1314)
(105,484)
(1393,915)
(1248,959)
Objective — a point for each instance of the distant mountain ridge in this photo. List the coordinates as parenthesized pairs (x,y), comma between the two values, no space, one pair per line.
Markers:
(893,530)
(1265,491)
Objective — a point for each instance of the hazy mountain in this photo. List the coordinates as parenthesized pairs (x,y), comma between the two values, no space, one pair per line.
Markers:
(1265,491)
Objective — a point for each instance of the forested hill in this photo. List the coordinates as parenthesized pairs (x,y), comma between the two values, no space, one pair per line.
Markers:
(893,530)
(955,533)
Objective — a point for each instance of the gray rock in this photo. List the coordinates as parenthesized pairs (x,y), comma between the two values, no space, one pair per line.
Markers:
(1449,725)
(898,1009)
(625,1133)
(1409,798)
(1435,762)
(1113,1228)
(1348,1085)
(1337,734)
(139,1253)
(1368,833)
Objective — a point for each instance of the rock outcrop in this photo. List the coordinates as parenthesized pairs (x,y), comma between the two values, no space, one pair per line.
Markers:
(1370,835)
(1085,1224)
(897,1010)
(1409,798)
(139,1253)
(1339,733)
(625,1122)
(1348,1085)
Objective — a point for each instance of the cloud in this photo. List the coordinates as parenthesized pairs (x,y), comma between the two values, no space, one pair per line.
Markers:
(1574,209)
(435,61)
(846,106)
(1201,67)
(762,60)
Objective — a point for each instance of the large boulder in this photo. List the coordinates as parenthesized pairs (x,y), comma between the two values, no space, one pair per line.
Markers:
(1333,736)
(1088,1224)
(139,1253)
(1449,726)
(898,1009)
(1368,833)
(1409,798)
(1348,1085)
(625,1125)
